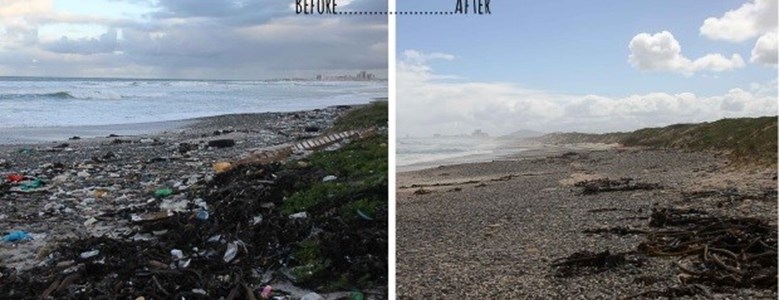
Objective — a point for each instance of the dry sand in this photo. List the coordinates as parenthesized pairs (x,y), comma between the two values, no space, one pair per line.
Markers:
(491,230)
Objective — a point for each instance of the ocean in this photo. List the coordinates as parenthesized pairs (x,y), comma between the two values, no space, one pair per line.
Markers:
(415,153)
(56,102)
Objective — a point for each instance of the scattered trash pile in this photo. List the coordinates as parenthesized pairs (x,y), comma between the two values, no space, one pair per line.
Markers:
(716,251)
(17,183)
(235,239)
(711,252)
(604,185)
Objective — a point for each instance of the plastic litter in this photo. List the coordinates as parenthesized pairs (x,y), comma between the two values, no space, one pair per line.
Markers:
(329,178)
(199,291)
(232,251)
(300,215)
(183,264)
(312,296)
(89,254)
(34,184)
(364,216)
(257,220)
(202,215)
(356,295)
(15,236)
(162,193)
(222,167)
(266,292)
(178,254)
(14,178)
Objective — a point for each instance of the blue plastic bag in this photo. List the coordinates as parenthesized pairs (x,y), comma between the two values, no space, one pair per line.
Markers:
(15,236)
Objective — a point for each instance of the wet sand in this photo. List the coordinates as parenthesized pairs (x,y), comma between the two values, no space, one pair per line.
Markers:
(492,230)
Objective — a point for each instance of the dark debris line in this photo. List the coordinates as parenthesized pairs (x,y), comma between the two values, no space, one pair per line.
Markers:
(591,187)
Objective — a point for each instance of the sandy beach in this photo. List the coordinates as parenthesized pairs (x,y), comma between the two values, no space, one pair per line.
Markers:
(493,230)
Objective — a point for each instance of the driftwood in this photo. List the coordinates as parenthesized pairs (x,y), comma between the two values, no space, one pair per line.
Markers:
(718,251)
(603,185)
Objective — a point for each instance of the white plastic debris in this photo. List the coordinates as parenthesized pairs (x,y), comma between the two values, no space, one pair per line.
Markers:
(300,215)
(329,178)
(232,251)
(199,291)
(183,264)
(177,253)
(312,296)
(89,254)
(257,220)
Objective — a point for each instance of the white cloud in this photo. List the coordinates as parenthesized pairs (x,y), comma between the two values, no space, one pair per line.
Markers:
(748,21)
(429,102)
(662,52)
(765,50)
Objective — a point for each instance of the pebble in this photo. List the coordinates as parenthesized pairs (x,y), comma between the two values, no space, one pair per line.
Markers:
(90,221)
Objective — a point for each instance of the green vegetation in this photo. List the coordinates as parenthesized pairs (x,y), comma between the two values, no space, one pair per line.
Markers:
(373,114)
(352,209)
(311,263)
(745,140)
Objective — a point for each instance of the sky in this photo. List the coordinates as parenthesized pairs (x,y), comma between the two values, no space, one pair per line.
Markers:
(241,39)
(587,66)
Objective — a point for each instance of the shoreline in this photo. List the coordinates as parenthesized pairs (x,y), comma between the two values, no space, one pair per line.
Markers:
(39,135)
(513,150)
(36,136)
(504,224)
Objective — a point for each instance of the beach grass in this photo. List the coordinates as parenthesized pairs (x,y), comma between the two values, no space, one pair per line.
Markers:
(746,141)
(373,114)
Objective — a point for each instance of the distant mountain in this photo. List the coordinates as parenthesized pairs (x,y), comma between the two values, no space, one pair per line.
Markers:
(523,134)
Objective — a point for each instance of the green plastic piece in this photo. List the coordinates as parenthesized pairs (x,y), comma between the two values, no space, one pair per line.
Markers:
(162,193)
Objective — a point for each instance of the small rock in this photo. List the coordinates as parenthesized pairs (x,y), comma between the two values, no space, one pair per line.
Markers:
(147,141)
(90,221)
(223,143)
(83,174)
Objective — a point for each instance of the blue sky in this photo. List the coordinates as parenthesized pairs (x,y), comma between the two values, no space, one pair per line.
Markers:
(239,39)
(582,47)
